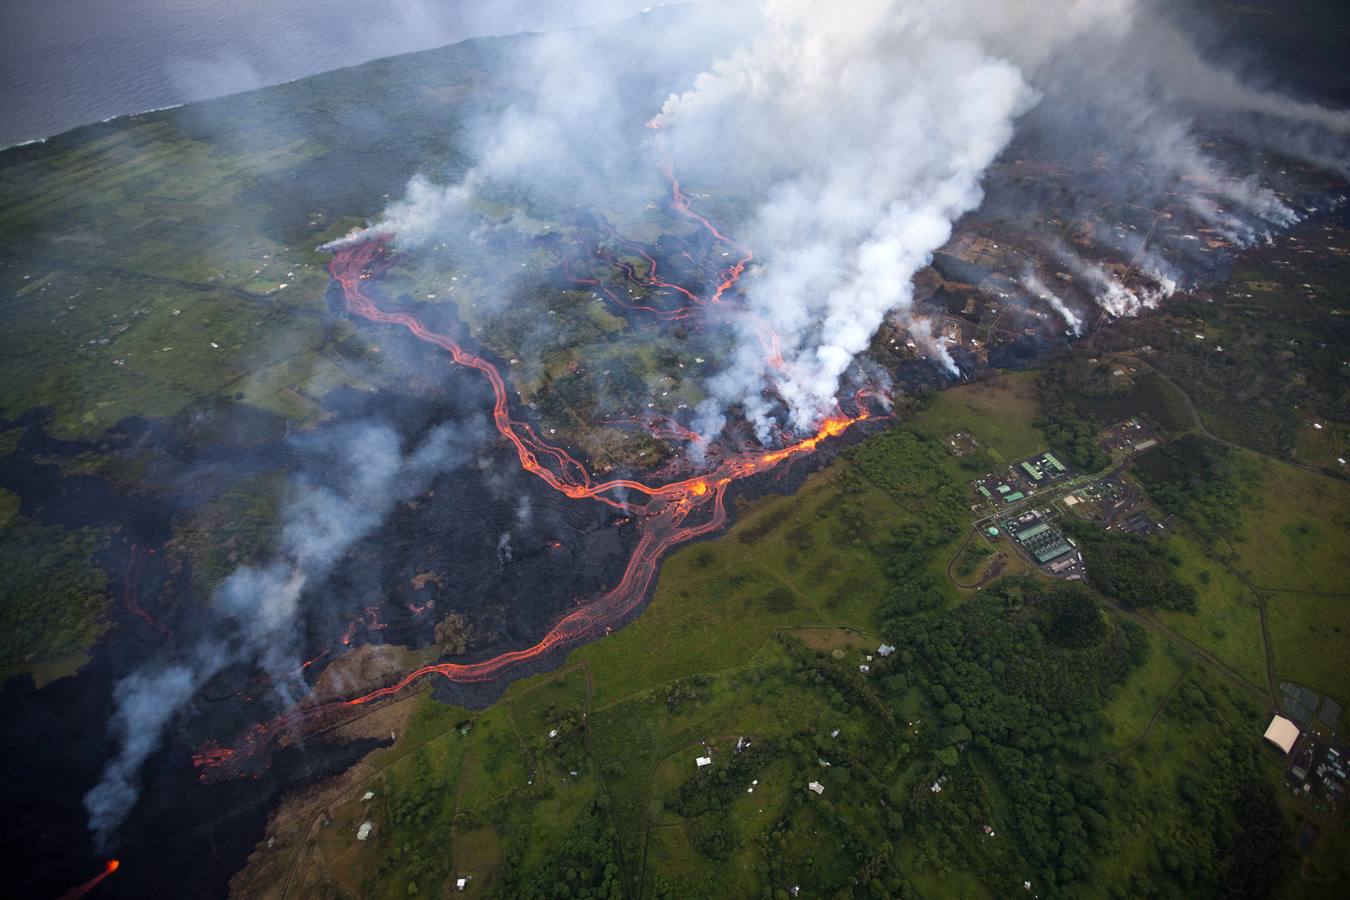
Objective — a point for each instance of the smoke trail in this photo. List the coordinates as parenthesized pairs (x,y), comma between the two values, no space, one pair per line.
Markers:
(1041,292)
(921,332)
(256,612)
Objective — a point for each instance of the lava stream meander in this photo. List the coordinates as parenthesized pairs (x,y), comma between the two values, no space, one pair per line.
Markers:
(672,514)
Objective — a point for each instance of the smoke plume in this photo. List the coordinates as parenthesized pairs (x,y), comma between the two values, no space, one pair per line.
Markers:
(1040,291)
(848,147)
(354,476)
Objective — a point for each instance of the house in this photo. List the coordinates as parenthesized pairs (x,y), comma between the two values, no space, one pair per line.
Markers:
(1282,733)
(885,650)
(816,786)
(703,761)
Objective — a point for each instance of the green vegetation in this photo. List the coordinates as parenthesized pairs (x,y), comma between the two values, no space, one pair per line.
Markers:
(1080,396)
(998,412)
(973,558)
(1227,618)
(1264,355)
(1194,478)
(1132,570)
(51,598)
(9,506)
(234,529)
(1295,528)
(1105,761)
(1309,636)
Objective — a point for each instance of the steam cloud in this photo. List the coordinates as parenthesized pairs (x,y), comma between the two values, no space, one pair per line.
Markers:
(863,138)
(257,612)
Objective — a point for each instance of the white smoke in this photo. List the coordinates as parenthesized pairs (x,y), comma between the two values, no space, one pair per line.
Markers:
(145,702)
(1116,298)
(921,332)
(1041,292)
(258,609)
(869,133)
(859,138)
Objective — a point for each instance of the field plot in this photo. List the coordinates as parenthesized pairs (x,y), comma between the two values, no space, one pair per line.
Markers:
(1295,536)
(1228,619)
(997,412)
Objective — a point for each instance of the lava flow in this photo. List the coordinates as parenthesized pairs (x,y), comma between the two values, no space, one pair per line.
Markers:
(77,892)
(672,513)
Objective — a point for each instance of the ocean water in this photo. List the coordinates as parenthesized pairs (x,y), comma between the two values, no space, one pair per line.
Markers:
(70,62)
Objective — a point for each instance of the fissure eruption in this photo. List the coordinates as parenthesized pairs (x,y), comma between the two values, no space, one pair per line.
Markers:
(667,515)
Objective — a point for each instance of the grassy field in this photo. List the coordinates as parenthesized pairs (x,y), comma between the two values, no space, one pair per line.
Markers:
(1296,532)
(1309,634)
(706,664)
(52,598)
(1228,623)
(998,412)
(1140,698)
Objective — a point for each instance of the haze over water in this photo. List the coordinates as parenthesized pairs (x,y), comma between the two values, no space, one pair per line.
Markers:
(72,62)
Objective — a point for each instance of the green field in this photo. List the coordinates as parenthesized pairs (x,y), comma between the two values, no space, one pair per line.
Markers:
(998,412)
(1296,531)
(760,634)
(1228,623)
(1309,636)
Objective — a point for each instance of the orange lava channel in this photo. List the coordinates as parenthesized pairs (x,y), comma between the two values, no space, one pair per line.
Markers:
(672,514)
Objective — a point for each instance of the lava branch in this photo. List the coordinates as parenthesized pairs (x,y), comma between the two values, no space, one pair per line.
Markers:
(76,892)
(666,520)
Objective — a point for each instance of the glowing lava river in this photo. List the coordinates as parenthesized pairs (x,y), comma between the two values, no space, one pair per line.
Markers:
(665,515)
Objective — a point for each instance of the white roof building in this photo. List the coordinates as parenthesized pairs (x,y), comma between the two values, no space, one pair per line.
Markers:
(816,786)
(1282,733)
(703,761)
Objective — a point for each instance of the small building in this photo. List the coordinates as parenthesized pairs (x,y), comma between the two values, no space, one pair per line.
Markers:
(885,650)
(1282,733)
(816,787)
(992,530)
(364,831)
(462,883)
(703,761)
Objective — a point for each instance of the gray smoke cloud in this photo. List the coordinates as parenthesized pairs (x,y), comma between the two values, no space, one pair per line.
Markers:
(851,145)
(256,612)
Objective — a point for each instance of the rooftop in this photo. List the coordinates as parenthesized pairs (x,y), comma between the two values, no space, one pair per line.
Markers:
(1282,733)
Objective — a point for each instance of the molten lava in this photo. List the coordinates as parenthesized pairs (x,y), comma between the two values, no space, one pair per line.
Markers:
(75,893)
(672,514)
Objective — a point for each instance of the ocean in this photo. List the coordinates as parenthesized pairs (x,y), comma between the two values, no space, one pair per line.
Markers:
(71,62)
